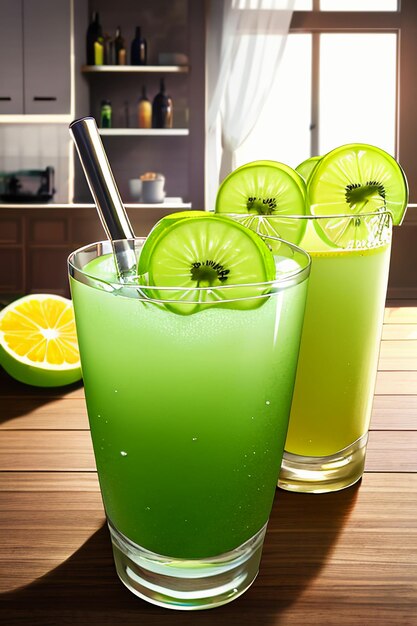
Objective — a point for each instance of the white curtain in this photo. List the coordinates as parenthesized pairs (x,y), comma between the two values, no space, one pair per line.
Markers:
(245,42)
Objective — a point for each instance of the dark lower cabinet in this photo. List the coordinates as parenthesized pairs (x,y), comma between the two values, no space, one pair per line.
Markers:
(11,270)
(35,244)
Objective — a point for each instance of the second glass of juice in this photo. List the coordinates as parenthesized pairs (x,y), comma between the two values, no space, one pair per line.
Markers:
(330,415)
(188,417)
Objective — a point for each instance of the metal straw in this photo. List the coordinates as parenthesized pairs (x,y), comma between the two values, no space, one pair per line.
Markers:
(106,196)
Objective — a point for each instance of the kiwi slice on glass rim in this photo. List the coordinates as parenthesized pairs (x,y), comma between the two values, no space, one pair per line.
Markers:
(305,168)
(354,179)
(264,192)
(157,229)
(227,260)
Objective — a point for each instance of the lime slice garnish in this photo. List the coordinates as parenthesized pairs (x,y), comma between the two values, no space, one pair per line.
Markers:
(209,260)
(266,190)
(159,227)
(262,188)
(352,180)
(306,168)
(358,178)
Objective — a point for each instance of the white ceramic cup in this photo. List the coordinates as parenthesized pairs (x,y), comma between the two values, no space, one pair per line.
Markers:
(153,190)
(135,188)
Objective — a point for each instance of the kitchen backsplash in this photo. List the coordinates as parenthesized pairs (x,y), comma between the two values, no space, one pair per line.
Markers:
(37,146)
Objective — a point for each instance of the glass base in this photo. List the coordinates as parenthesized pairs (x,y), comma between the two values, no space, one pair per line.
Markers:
(187,584)
(323,474)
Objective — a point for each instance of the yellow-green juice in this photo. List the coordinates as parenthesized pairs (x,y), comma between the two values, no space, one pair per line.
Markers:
(340,342)
(339,349)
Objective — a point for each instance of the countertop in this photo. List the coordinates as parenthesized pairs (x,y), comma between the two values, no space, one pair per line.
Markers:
(169,203)
(341,559)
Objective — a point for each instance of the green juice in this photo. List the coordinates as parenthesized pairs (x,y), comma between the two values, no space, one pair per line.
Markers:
(188,413)
(339,350)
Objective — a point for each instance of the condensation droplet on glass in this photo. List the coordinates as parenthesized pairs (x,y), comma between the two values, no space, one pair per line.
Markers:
(123,453)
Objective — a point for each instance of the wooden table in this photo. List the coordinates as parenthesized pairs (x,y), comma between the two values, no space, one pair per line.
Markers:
(346,558)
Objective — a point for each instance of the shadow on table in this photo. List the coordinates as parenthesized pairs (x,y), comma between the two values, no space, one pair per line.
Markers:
(29,397)
(85,589)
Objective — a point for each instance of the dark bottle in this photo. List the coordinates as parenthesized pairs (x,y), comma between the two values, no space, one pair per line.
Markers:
(94,36)
(138,49)
(119,48)
(162,109)
(108,44)
(105,114)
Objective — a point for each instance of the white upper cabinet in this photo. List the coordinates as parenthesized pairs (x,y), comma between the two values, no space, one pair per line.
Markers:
(35,56)
(11,57)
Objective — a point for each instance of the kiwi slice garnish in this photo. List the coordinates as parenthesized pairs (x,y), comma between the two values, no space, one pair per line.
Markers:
(262,188)
(355,179)
(265,191)
(157,229)
(208,261)
(306,168)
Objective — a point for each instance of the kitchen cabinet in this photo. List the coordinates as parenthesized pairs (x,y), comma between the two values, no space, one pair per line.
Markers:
(35,57)
(35,242)
(11,57)
(47,56)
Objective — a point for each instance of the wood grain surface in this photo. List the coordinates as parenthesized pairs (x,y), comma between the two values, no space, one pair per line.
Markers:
(342,559)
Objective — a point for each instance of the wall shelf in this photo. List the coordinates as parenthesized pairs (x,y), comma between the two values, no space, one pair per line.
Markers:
(131,69)
(144,132)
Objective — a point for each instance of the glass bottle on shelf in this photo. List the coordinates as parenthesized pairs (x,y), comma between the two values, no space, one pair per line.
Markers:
(138,50)
(144,111)
(162,109)
(119,48)
(94,36)
(109,58)
(106,114)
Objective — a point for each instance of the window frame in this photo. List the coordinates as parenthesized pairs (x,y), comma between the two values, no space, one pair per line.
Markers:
(403,23)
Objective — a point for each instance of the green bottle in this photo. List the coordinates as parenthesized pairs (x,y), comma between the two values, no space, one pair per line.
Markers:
(106,114)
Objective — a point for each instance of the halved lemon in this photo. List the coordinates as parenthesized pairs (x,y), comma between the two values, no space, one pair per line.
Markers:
(38,341)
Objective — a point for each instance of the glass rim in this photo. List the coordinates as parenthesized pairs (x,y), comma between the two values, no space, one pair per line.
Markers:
(310,216)
(282,280)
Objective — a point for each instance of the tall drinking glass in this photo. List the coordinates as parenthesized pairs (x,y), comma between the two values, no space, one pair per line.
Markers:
(188,417)
(331,409)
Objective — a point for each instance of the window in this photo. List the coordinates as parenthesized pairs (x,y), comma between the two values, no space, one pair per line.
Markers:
(336,84)
(357,90)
